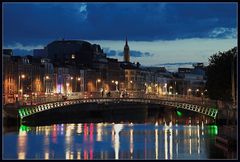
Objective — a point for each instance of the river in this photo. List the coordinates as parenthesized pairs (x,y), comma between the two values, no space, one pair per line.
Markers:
(163,140)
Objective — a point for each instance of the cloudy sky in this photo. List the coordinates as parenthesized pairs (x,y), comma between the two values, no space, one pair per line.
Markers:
(158,33)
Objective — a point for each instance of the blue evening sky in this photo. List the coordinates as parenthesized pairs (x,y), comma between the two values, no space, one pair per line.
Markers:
(158,33)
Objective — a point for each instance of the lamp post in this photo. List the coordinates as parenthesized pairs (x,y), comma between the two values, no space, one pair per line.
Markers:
(97,81)
(116,82)
(45,82)
(202,97)
(22,76)
(72,84)
(196,95)
(131,83)
(79,79)
(189,91)
(169,90)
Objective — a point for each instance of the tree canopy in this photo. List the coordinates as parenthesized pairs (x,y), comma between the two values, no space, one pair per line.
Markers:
(219,75)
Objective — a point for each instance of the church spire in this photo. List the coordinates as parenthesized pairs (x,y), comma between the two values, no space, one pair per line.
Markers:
(126,44)
(126,56)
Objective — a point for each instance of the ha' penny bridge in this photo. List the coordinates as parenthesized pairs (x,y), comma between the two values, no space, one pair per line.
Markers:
(206,108)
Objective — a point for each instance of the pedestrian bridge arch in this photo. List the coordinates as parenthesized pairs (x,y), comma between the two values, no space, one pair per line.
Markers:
(205,110)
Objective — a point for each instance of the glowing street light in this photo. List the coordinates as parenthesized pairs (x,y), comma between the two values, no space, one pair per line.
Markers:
(22,76)
(189,91)
(45,80)
(79,79)
(116,82)
(131,82)
(97,81)
(170,89)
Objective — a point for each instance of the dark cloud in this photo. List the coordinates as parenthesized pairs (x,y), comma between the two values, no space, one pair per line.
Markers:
(133,53)
(110,52)
(38,22)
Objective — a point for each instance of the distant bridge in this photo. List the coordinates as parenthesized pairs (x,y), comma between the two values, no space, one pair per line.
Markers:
(199,108)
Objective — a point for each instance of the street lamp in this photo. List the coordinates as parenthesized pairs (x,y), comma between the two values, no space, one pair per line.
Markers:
(72,84)
(116,82)
(79,79)
(45,80)
(145,88)
(170,89)
(20,85)
(189,91)
(202,96)
(131,84)
(97,81)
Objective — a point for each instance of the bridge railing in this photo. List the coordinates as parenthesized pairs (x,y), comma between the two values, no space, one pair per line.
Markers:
(178,98)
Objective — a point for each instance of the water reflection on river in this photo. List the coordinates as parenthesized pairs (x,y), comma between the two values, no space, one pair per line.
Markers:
(112,141)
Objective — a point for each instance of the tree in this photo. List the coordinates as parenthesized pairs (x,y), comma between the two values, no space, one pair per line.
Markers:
(219,75)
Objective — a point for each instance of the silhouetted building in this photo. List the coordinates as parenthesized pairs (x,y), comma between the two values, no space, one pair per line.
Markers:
(74,52)
(126,52)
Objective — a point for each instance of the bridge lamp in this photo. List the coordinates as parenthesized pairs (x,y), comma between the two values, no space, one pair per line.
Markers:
(71,78)
(131,81)
(197,90)
(78,79)
(112,81)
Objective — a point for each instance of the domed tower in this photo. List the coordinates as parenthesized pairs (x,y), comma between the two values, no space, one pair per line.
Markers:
(126,52)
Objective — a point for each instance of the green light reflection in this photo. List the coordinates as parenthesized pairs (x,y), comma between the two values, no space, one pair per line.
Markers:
(24,128)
